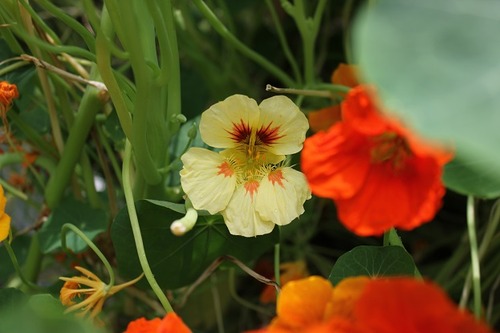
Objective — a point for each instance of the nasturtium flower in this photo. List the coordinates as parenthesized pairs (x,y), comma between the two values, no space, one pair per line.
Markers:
(4,217)
(378,173)
(248,182)
(8,92)
(92,297)
(171,323)
(361,305)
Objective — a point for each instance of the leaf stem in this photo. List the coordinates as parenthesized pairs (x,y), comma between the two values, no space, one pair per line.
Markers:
(474,253)
(68,226)
(136,230)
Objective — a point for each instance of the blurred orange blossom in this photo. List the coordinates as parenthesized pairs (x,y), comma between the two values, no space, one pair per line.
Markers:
(379,174)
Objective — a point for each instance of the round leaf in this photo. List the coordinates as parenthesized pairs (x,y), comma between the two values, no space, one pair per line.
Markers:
(372,261)
(179,261)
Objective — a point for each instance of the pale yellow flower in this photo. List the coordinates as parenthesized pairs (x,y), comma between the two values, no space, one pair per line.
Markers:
(93,297)
(4,218)
(248,182)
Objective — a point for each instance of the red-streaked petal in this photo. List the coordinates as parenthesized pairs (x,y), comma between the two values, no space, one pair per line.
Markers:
(229,123)
(282,126)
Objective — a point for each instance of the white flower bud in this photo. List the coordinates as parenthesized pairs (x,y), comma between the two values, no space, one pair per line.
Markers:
(181,226)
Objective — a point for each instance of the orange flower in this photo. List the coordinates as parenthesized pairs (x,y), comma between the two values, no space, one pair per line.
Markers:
(95,293)
(171,323)
(322,119)
(4,218)
(8,92)
(379,175)
(290,271)
(364,305)
(395,305)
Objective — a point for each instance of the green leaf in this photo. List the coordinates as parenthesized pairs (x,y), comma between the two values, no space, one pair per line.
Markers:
(179,261)
(436,64)
(372,261)
(462,178)
(11,297)
(90,220)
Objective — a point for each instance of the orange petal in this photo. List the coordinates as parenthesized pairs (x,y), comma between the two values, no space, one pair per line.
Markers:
(172,323)
(143,325)
(395,305)
(303,303)
(404,198)
(322,119)
(336,162)
(345,75)
(345,296)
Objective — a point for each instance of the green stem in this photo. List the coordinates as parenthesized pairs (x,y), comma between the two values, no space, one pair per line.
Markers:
(70,227)
(88,180)
(11,67)
(284,43)
(89,106)
(236,43)
(18,269)
(277,272)
(136,229)
(474,253)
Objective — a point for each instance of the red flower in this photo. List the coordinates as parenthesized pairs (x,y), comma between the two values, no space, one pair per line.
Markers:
(171,323)
(379,175)
(364,305)
(405,305)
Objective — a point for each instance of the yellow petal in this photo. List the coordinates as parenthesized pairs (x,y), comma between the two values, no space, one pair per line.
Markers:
(281,120)
(281,195)
(208,179)
(241,217)
(228,123)
(4,226)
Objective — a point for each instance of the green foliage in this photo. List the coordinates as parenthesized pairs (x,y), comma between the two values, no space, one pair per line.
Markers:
(375,261)
(91,221)
(179,261)
(435,63)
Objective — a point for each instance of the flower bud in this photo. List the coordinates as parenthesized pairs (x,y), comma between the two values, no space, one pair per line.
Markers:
(181,226)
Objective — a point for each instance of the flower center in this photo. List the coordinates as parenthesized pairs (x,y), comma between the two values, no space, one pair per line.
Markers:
(390,147)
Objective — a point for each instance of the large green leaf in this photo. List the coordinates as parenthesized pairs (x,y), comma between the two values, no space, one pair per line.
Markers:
(436,64)
(373,261)
(90,220)
(463,178)
(178,261)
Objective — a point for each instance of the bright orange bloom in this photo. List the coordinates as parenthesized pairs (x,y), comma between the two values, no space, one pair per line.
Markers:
(322,119)
(290,271)
(8,92)
(379,175)
(406,305)
(364,305)
(171,323)
(4,218)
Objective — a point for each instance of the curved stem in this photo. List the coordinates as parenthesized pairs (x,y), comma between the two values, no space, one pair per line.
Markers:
(136,230)
(18,269)
(69,226)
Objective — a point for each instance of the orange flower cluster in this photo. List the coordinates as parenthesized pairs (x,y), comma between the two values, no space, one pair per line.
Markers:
(364,305)
(8,92)
(378,173)
(290,271)
(171,323)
